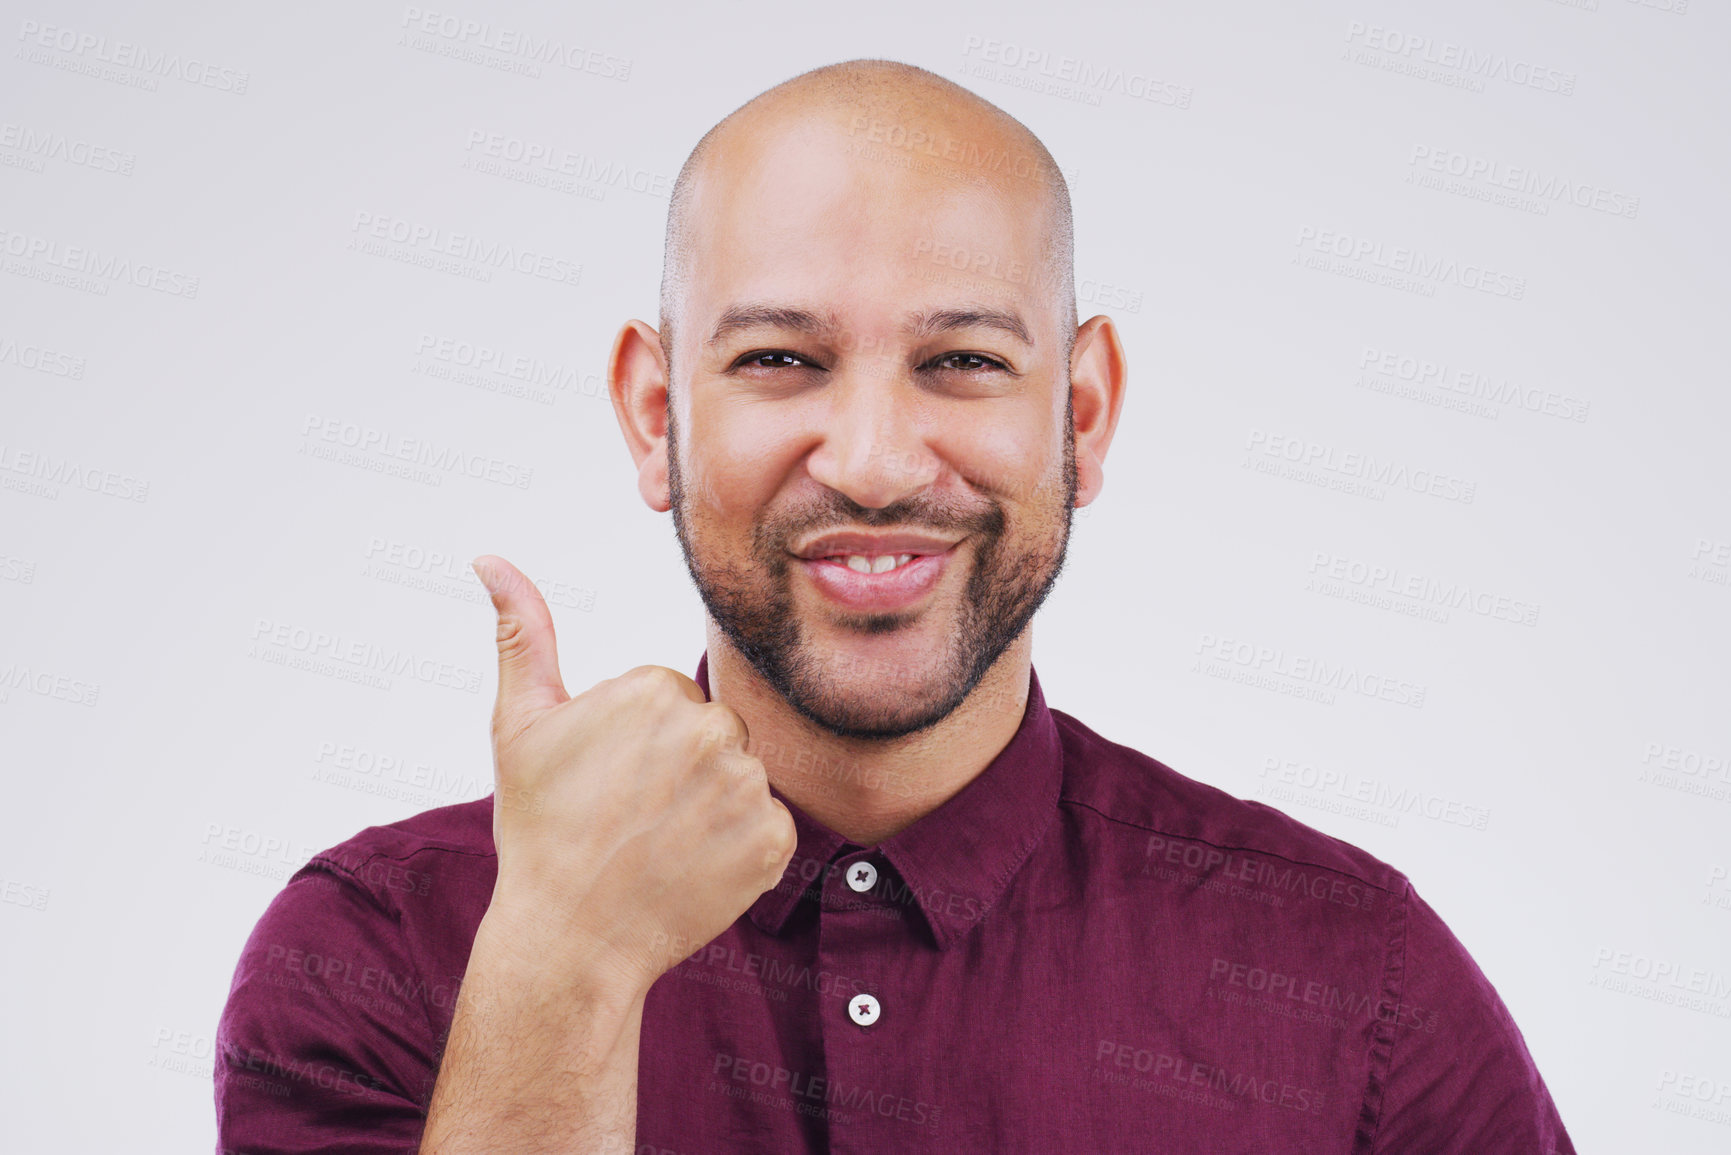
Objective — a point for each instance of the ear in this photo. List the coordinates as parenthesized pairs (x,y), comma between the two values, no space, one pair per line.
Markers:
(637,381)
(1098,377)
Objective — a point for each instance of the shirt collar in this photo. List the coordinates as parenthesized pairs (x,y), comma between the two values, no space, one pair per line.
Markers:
(956,862)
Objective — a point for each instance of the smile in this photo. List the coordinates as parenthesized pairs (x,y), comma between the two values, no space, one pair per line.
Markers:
(876,582)
(878,563)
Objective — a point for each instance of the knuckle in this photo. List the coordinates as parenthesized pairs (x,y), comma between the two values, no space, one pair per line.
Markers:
(513,636)
(726,775)
(782,841)
(787,839)
(651,681)
(709,741)
(724,721)
(747,775)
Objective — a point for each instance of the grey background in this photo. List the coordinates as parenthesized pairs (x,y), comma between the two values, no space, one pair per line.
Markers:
(169,502)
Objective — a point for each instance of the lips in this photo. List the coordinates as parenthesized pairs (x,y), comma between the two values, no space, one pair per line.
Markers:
(859,542)
(900,585)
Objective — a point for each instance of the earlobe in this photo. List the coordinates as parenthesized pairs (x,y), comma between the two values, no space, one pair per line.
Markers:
(652,479)
(1098,378)
(637,383)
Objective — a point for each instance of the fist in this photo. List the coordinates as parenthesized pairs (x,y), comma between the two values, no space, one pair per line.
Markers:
(627,818)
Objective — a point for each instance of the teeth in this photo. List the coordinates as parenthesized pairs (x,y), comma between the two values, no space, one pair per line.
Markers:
(882,563)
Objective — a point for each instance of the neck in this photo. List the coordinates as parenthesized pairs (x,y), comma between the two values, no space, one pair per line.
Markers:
(867,789)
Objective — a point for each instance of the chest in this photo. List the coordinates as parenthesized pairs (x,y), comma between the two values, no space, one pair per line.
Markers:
(1062,1022)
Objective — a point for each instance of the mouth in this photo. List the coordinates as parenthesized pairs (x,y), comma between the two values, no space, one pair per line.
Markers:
(876,582)
(870,563)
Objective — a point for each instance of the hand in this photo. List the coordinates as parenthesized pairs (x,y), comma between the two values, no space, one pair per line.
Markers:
(632,826)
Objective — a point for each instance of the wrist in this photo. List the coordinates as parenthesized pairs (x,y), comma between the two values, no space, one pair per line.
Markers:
(523,947)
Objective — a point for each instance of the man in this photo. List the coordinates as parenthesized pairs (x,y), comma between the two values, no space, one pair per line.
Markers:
(856,887)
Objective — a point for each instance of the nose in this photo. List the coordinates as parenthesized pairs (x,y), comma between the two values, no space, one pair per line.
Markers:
(874,448)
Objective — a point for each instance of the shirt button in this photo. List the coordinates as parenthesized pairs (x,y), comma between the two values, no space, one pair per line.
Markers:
(863,1009)
(862,876)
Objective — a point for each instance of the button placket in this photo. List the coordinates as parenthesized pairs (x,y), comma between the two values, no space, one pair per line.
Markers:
(864,1038)
(861,877)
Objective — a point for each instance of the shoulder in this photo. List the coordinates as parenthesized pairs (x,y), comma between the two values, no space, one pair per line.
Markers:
(376,928)
(444,838)
(346,984)
(1143,797)
(423,882)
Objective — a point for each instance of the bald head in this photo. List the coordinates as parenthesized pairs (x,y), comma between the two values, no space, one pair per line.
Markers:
(913,125)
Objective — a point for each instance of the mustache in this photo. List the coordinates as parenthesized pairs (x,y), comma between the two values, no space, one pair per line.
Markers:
(922,513)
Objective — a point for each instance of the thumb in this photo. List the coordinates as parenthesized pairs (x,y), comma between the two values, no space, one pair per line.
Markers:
(529,681)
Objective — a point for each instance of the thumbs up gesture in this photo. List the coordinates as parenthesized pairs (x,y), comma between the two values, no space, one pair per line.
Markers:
(627,818)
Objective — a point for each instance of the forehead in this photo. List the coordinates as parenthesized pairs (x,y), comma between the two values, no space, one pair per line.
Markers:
(815,212)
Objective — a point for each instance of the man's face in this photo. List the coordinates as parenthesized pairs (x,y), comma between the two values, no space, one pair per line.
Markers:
(824,408)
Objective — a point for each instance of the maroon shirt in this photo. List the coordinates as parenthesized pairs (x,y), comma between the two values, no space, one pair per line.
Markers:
(1081,951)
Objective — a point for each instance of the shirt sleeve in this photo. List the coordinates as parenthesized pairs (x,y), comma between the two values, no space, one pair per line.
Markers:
(1460,1080)
(325,1044)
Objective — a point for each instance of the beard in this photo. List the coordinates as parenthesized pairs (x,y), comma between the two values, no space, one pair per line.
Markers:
(753,603)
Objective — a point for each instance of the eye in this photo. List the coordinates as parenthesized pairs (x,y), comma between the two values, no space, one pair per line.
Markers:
(772,359)
(968,362)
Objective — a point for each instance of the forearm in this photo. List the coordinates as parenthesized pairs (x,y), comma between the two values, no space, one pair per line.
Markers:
(537,1060)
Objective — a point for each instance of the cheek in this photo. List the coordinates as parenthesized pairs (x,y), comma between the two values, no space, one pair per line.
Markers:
(736,467)
(1016,464)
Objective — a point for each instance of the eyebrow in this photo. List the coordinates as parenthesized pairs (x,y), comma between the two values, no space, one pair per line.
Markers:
(943,320)
(920,325)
